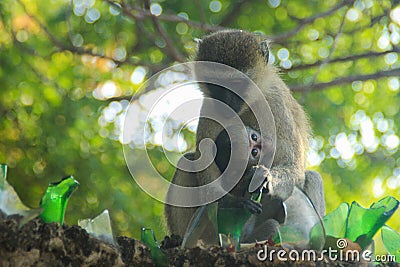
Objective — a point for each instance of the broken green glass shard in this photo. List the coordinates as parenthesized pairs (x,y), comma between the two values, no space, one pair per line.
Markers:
(55,199)
(362,223)
(99,227)
(3,176)
(211,223)
(203,223)
(230,225)
(391,241)
(335,222)
(149,239)
(10,203)
(303,227)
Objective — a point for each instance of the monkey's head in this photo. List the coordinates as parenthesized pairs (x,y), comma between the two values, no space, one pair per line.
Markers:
(244,51)
(236,48)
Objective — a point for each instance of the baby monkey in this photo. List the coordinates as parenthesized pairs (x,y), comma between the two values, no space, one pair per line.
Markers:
(239,195)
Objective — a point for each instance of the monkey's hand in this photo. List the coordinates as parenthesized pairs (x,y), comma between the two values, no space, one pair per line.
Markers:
(252,206)
(263,172)
(231,201)
(278,182)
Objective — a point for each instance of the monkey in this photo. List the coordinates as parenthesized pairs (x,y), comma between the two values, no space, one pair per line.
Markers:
(249,53)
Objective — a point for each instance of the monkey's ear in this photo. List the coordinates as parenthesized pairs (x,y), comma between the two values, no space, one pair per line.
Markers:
(198,40)
(265,50)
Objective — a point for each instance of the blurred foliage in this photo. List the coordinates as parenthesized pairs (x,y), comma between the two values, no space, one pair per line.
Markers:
(69,68)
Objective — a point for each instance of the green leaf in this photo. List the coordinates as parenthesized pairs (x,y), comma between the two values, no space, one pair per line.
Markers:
(149,239)
(335,222)
(56,198)
(391,241)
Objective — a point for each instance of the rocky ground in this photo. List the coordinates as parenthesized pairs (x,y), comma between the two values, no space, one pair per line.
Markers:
(39,244)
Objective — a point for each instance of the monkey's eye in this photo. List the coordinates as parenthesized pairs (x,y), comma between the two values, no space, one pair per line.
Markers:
(254,152)
(254,137)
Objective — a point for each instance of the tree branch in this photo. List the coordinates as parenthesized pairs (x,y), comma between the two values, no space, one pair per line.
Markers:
(343,59)
(170,46)
(307,21)
(52,37)
(203,18)
(83,51)
(232,15)
(41,77)
(348,79)
(137,13)
(331,51)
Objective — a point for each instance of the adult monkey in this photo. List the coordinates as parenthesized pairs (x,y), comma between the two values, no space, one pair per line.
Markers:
(249,53)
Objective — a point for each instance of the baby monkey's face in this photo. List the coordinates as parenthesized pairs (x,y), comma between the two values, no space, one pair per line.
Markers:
(255,143)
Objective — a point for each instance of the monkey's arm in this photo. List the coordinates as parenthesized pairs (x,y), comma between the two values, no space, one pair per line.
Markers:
(177,218)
